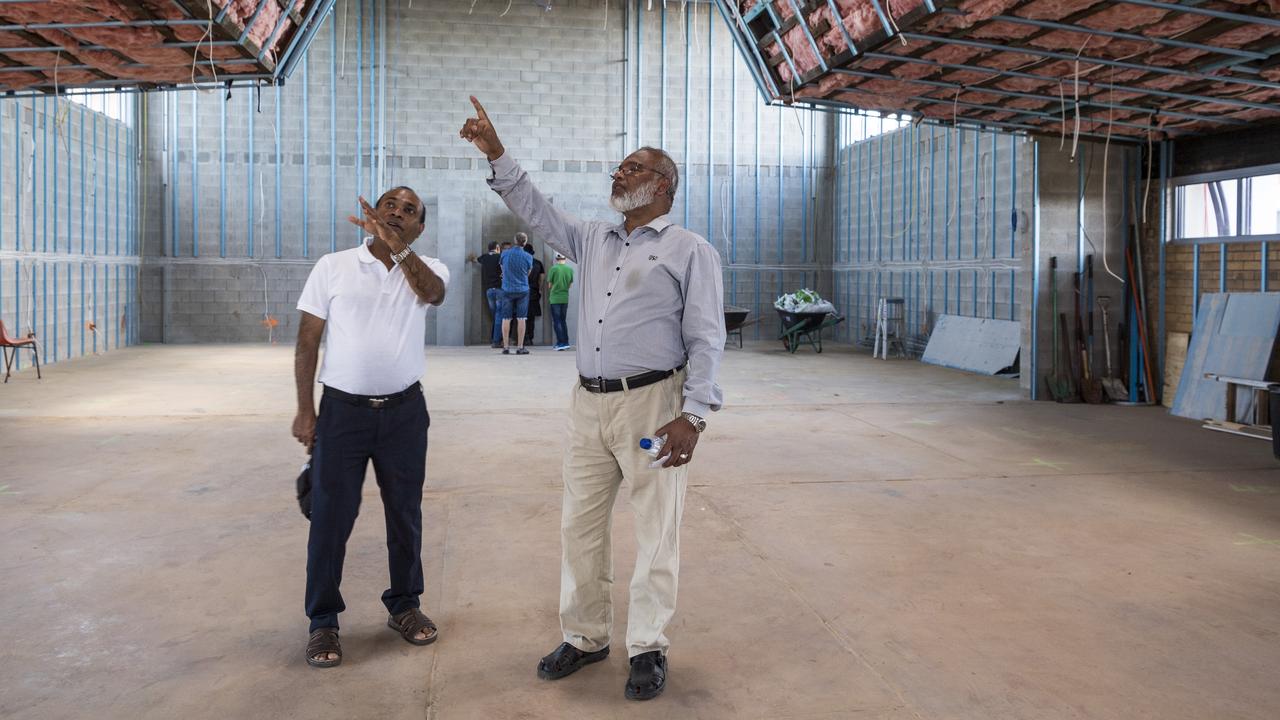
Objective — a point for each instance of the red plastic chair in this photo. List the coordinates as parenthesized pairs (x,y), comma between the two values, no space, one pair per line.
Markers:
(8,343)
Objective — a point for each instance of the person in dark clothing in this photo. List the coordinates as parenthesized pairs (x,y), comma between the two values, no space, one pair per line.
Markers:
(491,282)
(536,275)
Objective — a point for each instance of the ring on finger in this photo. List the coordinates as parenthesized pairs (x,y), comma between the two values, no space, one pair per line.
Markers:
(684,456)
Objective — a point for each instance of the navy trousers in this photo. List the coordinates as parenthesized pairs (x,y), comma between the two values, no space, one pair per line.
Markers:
(348,436)
(558,311)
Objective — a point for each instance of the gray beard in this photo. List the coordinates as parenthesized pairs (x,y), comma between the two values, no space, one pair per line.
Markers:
(637,198)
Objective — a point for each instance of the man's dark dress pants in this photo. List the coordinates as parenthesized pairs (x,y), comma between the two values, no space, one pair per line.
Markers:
(348,436)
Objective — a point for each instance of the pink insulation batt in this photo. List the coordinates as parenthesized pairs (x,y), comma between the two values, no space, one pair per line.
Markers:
(135,54)
(900,90)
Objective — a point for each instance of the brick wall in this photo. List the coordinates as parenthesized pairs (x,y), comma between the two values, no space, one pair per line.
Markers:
(1244,274)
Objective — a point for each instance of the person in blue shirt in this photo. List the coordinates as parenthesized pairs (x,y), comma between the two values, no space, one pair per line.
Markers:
(516,264)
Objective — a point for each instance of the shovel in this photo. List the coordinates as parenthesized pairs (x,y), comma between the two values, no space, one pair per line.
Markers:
(1114,389)
(1059,385)
(1090,388)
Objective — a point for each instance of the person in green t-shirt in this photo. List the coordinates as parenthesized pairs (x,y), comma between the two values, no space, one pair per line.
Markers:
(559,278)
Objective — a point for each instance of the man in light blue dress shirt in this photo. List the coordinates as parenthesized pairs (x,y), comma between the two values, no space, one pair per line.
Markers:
(650,338)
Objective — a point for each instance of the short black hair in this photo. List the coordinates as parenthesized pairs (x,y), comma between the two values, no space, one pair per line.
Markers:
(422,210)
(493,245)
(529,249)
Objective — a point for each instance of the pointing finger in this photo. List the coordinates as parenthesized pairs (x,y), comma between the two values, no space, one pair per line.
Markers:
(479,108)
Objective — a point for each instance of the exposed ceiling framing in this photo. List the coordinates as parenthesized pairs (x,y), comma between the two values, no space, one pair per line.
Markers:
(108,45)
(1128,69)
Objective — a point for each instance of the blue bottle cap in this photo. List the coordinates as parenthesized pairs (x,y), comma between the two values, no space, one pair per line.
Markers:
(645,443)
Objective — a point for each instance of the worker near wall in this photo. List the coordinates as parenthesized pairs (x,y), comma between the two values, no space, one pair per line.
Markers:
(559,280)
(537,279)
(370,303)
(516,264)
(491,282)
(650,339)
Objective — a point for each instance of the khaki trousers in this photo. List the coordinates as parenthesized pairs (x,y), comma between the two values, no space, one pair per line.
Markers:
(603,449)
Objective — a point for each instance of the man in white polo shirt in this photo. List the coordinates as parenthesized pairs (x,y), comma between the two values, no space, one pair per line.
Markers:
(370,303)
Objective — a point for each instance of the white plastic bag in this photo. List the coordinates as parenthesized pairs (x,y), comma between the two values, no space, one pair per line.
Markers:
(803,300)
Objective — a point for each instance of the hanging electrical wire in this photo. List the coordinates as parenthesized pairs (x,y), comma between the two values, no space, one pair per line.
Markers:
(1106,149)
(1075,135)
(268,321)
(195,52)
(346,29)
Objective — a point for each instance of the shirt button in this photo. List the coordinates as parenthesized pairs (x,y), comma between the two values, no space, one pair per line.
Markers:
(618,268)
(600,322)
(628,244)
(597,349)
(609,294)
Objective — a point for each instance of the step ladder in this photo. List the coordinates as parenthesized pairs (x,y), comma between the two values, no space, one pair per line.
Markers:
(890,319)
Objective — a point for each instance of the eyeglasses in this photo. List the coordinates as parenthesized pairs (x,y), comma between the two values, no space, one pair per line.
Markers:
(635,168)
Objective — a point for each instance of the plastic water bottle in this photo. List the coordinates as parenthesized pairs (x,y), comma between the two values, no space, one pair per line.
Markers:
(652,446)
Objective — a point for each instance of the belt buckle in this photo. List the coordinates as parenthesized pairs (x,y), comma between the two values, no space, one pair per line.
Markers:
(595,384)
(377,403)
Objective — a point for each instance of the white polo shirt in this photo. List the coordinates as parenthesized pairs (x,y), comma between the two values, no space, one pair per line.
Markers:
(375,326)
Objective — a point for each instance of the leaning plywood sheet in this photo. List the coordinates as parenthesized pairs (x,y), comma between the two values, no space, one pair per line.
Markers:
(1234,336)
(974,344)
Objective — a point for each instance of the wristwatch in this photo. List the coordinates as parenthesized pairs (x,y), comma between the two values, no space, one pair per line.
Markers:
(400,256)
(698,423)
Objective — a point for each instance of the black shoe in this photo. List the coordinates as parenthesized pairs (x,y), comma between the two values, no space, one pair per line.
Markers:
(648,676)
(567,660)
(522,351)
(506,351)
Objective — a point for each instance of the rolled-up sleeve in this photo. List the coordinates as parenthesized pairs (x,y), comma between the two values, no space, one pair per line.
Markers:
(555,227)
(703,330)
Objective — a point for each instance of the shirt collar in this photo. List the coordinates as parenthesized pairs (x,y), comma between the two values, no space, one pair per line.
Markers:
(363,251)
(658,224)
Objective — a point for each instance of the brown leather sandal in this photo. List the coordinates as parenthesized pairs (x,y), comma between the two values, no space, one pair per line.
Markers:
(322,641)
(410,622)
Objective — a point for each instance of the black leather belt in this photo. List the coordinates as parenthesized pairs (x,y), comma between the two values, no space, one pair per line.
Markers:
(601,385)
(377,402)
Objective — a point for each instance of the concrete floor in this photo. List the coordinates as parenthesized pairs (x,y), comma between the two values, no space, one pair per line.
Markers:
(867,540)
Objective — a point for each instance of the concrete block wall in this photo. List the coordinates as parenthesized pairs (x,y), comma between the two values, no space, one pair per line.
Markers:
(939,217)
(69,261)
(570,90)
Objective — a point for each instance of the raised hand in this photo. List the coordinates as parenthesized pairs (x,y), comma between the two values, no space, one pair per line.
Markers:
(375,226)
(479,132)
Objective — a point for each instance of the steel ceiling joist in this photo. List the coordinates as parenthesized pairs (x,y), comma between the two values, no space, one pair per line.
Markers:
(178,44)
(1153,67)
